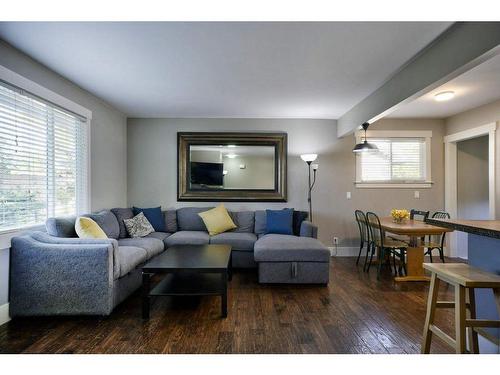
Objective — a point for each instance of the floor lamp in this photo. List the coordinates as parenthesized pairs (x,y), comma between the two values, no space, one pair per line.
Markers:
(309,158)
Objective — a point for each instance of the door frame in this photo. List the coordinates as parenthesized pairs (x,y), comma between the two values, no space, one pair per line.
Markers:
(450,172)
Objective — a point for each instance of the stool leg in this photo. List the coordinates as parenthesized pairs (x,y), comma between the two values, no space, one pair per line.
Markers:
(431,310)
(472,334)
(460,319)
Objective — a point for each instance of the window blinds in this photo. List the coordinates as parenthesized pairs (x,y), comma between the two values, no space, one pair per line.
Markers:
(43,160)
(398,160)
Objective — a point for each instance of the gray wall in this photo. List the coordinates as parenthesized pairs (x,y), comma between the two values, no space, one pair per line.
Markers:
(108,139)
(108,129)
(152,169)
(472,179)
(486,114)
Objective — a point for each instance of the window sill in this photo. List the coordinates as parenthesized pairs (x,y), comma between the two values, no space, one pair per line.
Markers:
(7,234)
(409,185)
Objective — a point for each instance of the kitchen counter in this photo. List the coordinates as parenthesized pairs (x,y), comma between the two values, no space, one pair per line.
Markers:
(487,228)
(483,252)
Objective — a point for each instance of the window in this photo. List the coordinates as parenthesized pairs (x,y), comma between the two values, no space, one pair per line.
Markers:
(43,160)
(403,160)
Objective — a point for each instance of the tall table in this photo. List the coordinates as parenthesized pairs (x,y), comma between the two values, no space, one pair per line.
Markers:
(414,253)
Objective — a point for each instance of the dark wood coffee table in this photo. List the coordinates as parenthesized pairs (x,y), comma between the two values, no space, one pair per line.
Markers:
(191,270)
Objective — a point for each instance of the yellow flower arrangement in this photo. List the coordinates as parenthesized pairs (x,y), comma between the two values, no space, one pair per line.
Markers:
(399,215)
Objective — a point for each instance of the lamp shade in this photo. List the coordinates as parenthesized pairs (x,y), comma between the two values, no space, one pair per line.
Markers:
(309,157)
(365,147)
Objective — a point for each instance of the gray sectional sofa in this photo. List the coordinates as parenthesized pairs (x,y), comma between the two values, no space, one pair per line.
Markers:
(56,273)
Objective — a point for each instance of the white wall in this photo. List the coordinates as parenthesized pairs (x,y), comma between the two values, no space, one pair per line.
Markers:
(152,169)
(108,139)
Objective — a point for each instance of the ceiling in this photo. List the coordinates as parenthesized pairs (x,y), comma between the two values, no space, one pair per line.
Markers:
(217,69)
(478,86)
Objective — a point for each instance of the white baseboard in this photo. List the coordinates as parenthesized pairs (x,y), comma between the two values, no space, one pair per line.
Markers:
(344,251)
(4,314)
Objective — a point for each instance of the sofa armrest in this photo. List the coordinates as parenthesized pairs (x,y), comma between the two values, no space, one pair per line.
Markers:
(47,238)
(60,279)
(308,229)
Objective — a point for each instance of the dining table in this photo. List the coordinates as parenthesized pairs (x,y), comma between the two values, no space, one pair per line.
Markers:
(415,252)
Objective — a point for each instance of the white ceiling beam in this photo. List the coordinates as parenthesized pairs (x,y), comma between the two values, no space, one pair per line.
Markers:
(460,48)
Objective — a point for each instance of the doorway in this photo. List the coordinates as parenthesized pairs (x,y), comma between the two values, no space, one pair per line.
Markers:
(469,180)
(472,185)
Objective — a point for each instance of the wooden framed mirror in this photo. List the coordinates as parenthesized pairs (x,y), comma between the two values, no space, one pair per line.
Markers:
(232,167)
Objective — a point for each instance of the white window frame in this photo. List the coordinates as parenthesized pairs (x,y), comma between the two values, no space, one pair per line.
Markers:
(18,80)
(427,134)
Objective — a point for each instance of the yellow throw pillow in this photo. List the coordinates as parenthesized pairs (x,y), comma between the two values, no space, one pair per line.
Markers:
(217,220)
(85,227)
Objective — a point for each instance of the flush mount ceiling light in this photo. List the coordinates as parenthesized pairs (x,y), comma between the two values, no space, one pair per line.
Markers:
(365,146)
(231,156)
(444,96)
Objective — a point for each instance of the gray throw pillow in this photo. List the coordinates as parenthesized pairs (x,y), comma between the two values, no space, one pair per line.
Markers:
(138,226)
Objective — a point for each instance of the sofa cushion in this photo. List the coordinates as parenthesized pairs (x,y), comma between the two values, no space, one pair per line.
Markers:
(158,235)
(298,218)
(108,223)
(170,220)
(154,216)
(188,237)
(153,246)
(217,220)
(122,214)
(138,226)
(260,222)
(285,248)
(244,220)
(188,219)
(129,257)
(279,221)
(61,226)
(85,227)
(238,241)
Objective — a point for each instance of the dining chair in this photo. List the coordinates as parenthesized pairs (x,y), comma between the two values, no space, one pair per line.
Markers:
(434,243)
(384,245)
(363,234)
(418,215)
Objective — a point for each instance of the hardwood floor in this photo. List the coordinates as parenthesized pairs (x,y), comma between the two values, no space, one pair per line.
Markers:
(354,314)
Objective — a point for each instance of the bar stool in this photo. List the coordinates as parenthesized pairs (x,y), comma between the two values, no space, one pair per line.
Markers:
(465,279)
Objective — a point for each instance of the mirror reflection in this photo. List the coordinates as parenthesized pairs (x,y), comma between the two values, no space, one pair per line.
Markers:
(232,167)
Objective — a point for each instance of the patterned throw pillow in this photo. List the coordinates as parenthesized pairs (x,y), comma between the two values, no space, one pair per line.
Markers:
(138,226)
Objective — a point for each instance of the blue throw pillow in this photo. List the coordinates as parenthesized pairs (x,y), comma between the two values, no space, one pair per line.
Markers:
(154,216)
(279,221)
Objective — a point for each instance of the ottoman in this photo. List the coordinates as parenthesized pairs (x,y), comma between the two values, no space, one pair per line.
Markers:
(292,260)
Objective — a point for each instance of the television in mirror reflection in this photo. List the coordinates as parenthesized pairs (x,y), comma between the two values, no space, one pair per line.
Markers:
(232,167)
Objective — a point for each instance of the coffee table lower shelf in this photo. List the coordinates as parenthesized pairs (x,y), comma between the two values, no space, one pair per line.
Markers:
(186,284)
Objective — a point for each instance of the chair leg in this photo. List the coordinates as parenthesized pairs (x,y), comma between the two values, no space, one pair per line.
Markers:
(360,250)
(372,253)
(441,254)
(430,254)
(460,346)
(431,310)
(379,265)
(369,249)
(394,263)
(472,334)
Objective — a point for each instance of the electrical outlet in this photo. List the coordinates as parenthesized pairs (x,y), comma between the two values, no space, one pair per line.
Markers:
(348,195)
(335,240)
(417,194)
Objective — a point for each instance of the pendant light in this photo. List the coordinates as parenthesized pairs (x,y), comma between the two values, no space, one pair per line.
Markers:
(365,146)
